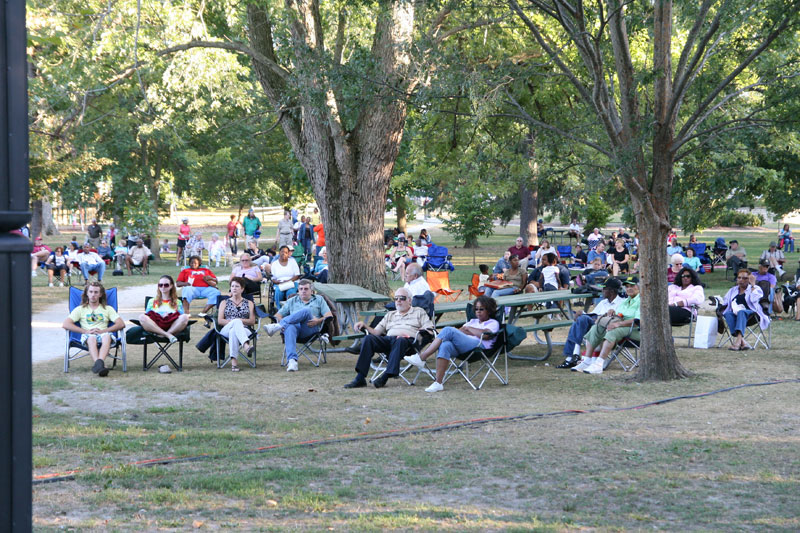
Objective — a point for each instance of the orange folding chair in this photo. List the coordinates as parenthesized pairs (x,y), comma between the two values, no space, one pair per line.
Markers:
(473,288)
(439,282)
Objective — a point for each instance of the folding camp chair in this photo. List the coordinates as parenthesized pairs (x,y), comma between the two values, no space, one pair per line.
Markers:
(260,313)
(439,282)
(485,359)
(73,342)
(473,286)
(753,334)
(692,323)
(315,345)
(565,252)
(626,352)
(438,259)
(701,252)
(719,250)
(137,335)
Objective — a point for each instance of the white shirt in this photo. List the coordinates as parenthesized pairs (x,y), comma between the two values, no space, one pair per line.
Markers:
(604,305)
(285,273)
(417,287)
(550,274)
(90,258)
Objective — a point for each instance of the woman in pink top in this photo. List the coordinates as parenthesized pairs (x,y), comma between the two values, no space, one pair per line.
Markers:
(687,291)
(183,235)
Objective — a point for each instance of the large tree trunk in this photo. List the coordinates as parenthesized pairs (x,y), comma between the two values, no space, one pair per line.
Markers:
(400,208)
(48,224)
(36,218)
(529,197)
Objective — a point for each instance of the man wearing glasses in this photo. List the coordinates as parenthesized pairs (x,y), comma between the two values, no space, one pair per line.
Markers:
(299,316)
(393,335)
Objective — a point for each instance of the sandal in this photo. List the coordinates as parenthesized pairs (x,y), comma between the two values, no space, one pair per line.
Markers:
(734,348)
(234,368)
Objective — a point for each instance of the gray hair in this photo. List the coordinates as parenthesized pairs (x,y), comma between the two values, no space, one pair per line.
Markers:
(415,269)
(405,292)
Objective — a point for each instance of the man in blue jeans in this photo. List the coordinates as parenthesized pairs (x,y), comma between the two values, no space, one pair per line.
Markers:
(583,322)
(300,316)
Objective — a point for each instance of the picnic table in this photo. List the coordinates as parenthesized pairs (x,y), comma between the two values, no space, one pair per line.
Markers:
(347,298)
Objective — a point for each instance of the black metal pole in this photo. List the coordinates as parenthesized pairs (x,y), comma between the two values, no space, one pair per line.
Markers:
(15,285)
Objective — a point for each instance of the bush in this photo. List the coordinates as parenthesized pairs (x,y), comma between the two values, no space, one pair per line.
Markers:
(597,213)
(736,218)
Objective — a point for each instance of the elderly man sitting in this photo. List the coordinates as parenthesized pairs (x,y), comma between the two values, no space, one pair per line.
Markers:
(415,283)
(299,316)
(394,335)
(90,261)
(138,256)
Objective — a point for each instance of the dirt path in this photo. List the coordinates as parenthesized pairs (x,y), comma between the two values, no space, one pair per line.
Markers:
(48,338)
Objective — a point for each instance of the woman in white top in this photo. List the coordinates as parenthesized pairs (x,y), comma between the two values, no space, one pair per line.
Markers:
(285,273)
(545,248)
(452,342)
(57,262)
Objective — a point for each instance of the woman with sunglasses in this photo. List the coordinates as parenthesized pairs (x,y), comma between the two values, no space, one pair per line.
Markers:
(452,342)
(675,267)
(741,301)
(684,295)
(164,314)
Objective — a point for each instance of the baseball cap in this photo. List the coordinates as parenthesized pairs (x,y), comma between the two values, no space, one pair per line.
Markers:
(631,280)
(612,283)
(763,263)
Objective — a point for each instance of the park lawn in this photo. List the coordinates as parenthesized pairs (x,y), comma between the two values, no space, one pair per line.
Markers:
(723,462)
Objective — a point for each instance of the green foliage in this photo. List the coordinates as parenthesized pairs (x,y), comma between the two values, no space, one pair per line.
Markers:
(735,218)
(598,211)
(472,213)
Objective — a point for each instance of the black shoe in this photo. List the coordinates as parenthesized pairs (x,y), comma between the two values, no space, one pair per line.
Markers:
(98,366)
(103,371)
(357,383)
(209,322)
(568,363)
(381,381)
(355,350)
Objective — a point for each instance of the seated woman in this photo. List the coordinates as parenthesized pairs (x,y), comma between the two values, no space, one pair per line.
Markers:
(516,276)
(105,251)
(235,317)
(400,256)
(249,272)
(57,263)
(164,314)
(741,301)
(692,261)
(285,273)
(785,234)
(452,342)
(195,245)
(320,272)
(545,248)
(619,258)
(684,293)
(676,265)
(424,239)
(216,249)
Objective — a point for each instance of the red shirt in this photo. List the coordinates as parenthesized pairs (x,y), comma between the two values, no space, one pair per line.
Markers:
(231,228)
(320,234)
(184,231)
(521,252)
(194,276)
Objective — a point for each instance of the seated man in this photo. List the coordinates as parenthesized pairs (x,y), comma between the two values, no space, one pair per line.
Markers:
(105,251)
(415,283)
(520,251)
(594,237)
(90,261)
(674,247)
(574,230)
(599,251)
(580,256)
(582,322)
(764,274)
(775,258)
(502,264)
(91,319)
(741,301)
(299,316)
(736,256)
(138,256)
(610,329)
(393,336)
(197,282)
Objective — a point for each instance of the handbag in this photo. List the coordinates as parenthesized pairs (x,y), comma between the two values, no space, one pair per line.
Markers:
(286,285)
(603,322)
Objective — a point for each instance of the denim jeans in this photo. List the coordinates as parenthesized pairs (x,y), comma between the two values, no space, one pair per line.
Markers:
(100,268)
(737,322)
(284,295)
(577,331)
(294,326)
(494,293)
(455,342)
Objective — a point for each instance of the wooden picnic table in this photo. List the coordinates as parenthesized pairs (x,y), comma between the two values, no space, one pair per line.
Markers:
(347,298)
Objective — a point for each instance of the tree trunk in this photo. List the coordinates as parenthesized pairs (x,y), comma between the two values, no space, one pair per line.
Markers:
(529,197)
(657,357)
(49,226)
(471,242)
(156,184)
(36,218)
(401,212)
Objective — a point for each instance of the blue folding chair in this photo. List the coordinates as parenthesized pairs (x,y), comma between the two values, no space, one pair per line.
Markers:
(565,251)
(118,346)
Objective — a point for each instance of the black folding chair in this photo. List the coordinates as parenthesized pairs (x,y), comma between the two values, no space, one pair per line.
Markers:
(261,314)
(138,335)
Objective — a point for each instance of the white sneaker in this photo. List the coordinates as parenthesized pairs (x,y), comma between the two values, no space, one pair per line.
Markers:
(272,329)
(596,367)
(50,285)
(292,366)
(415,360)
(177,263)
(435,387)
(585,362)
(60,283)
(33,273)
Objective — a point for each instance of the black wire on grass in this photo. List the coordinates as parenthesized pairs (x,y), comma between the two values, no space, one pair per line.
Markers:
(444,426)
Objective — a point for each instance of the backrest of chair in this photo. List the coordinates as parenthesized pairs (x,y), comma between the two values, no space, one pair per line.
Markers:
(476,279)
(425,301)
(499,315)
(75,296)
(438,280)
(698,247)
(564,251)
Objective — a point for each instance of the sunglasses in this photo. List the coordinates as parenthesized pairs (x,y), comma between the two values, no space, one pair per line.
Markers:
(687,276)
(165,284)
(480,309)
(400,298)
